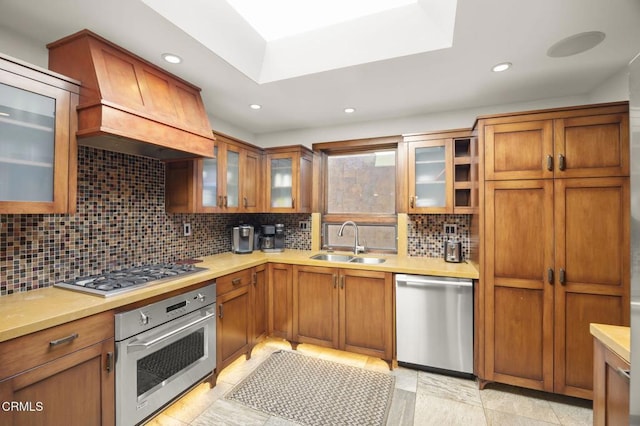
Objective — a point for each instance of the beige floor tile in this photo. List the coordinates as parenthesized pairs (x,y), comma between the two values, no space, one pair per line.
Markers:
(432,410)
(406,379)
(376,364)
(403,406)
(572,412)
(163,419)
(497,418)
(517,401)
(190,406)
(454,388)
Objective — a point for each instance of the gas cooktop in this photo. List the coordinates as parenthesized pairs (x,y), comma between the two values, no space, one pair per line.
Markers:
(129,279)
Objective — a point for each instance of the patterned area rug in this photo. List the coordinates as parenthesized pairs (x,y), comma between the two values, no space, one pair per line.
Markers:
(313,391)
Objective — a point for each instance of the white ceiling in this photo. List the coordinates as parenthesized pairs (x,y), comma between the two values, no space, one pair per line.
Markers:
(486,32)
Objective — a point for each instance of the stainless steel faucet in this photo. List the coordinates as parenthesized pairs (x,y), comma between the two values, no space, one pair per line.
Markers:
(356,247)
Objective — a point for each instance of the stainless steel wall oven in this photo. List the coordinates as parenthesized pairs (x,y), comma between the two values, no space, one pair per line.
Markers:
(162,350)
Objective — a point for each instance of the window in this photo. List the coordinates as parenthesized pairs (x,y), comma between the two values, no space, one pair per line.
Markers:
(360,185)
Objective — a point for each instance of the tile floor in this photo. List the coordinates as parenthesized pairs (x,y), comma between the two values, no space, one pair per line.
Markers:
(420,398)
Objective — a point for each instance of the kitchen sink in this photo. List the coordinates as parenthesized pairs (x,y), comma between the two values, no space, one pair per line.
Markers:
(367,260)
(331,257)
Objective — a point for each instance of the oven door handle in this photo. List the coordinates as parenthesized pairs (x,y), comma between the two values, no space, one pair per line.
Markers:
(137,346)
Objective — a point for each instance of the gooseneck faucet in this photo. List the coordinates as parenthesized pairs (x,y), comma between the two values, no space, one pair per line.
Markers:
(356,247)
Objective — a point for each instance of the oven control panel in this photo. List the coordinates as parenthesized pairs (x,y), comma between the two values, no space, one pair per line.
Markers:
(137,320)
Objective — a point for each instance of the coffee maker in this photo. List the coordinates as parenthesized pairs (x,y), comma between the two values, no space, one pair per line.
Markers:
(242,239)
(272,238)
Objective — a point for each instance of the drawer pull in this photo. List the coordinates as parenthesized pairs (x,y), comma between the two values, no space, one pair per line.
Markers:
(623,373)
(69,338)
(109,362)
(236,281)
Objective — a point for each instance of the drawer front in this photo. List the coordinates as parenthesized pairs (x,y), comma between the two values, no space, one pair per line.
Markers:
(23,353)
(230,282)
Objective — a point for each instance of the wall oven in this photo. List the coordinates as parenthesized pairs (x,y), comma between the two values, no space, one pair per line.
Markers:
(162,350)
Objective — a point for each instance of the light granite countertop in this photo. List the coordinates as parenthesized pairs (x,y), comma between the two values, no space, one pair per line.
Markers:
(35,310)
(615,337)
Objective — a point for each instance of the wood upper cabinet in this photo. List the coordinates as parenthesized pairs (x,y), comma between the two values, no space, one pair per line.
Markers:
(259,302)
(289,179)
(441,172)
(37,369)
(38,150)
(547,281)
(345,309)
(233,327)
(228,183)
(588,142)
(280,300)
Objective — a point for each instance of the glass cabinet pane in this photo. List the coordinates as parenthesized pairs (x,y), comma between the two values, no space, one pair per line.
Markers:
(233,179)
(27,144)
(430,173)
(210,180)
(281,182)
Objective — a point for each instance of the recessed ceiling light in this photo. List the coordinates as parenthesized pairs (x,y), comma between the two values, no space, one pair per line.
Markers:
(349,110)
(171,58)
(255,106)
(501,67)
(575,44)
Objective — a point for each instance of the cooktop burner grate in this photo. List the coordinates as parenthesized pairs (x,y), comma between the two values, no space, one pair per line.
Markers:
(117,282)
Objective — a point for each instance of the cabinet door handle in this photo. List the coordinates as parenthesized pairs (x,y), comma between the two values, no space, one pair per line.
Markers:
(236,281)
(623,373)
(411,202)
(109,362)
(342,282)
(254,278)
(550,275)
(246,203)
(550,163)
(561,162)
(226,201)
(563,277)
(220,311)
(293,203)
(335,281)
(68,339)
(220,201)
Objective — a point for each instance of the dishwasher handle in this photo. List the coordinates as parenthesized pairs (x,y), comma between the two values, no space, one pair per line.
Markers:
(426,281)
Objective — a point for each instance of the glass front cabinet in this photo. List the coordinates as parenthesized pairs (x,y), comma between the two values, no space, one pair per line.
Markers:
(38,150)
(289,179)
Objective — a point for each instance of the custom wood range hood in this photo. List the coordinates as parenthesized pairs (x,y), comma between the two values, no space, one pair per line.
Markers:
(130,105)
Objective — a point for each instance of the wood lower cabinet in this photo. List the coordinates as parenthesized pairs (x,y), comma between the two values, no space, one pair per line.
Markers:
(260,318)
(233,328)
(611,387)
(62,375)
(280,300)
(546,281)
(345,309)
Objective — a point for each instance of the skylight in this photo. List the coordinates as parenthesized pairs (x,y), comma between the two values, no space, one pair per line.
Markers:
(276,19)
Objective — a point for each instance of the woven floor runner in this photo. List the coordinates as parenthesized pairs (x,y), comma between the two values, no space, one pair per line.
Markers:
(313,391)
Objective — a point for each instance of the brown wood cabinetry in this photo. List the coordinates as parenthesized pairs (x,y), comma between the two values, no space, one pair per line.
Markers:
(233,328)
(442,172)
(556,246)
(229,183)
(280,300)
(345,309)
(38,149)
(610,387)
(289,179)
(589,142)
(260,321)
(36,370)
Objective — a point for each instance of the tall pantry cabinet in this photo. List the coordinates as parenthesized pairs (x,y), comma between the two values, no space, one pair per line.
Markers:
(555,228)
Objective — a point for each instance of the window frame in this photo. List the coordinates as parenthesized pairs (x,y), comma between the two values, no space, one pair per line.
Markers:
(359,146)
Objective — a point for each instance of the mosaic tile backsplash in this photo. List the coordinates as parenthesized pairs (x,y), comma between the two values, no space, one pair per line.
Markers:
(120,222)
(426,235)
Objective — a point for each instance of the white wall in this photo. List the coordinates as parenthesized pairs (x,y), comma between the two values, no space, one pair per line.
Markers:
(615,88)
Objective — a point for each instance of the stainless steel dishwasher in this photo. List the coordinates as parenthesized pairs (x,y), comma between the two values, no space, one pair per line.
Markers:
(434,323)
